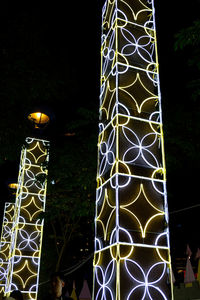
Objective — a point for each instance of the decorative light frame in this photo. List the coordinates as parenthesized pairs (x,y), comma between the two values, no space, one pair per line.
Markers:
(5,243)
(25,235)
(132,250)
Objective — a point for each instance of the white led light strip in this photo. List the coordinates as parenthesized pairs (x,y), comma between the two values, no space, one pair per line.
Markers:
(132,255)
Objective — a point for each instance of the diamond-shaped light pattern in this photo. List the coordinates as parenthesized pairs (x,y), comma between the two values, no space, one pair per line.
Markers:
(22,228)
(132,255)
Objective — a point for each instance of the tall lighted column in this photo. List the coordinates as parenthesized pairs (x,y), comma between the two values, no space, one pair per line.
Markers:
(27,226)
(132,257)
(5,243)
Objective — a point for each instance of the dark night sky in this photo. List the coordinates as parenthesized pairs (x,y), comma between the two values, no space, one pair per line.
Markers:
(71,34)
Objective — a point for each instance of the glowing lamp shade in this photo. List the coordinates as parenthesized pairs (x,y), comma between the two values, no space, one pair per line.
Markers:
(39,119)
(13,186)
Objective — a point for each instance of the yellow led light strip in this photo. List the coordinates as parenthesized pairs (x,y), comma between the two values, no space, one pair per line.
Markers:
(131,221)
(27,228)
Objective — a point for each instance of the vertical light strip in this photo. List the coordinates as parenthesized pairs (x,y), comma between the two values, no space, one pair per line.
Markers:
(132,255)
(27,229)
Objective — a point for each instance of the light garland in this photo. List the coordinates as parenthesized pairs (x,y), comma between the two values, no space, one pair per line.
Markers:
(26,229)
(132,255)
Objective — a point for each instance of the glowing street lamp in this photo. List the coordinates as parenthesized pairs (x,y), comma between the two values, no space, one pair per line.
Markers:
(39,119)
(13,186)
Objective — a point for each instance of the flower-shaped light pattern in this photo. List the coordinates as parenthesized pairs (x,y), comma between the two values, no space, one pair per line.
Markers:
(107,153)
(28,240)
(140,148)
(3,272)
(145,283)
(104,277)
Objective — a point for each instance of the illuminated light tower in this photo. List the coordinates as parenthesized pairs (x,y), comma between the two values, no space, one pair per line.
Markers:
(5,243)
(6,236)
(132,254)
(27,227)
